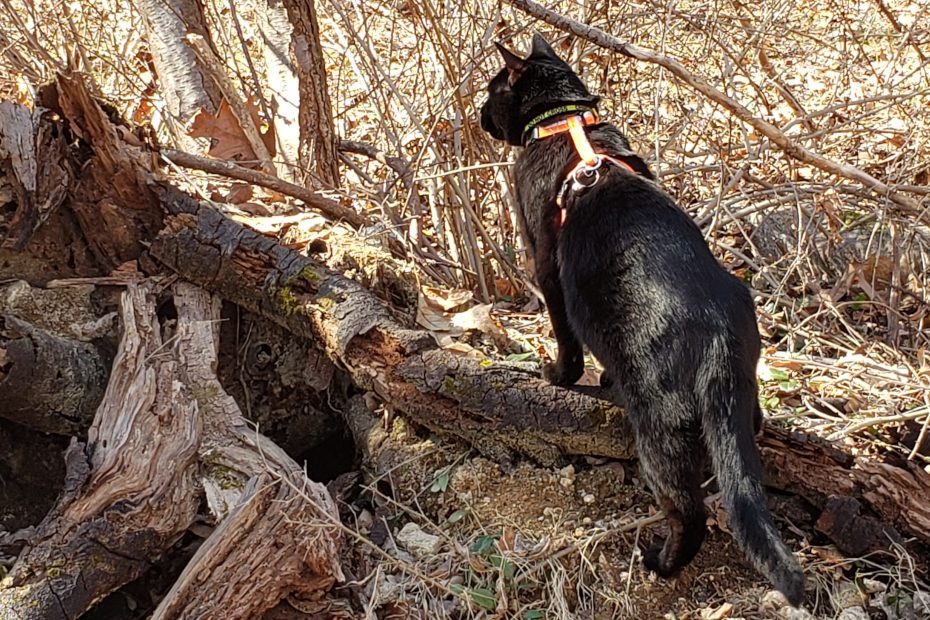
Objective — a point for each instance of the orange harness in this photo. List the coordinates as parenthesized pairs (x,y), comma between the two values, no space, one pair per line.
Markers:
(586,173)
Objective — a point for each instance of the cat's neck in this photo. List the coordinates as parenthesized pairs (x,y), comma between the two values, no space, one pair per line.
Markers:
(555,120)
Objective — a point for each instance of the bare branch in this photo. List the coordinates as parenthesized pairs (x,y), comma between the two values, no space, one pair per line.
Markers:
(770,131)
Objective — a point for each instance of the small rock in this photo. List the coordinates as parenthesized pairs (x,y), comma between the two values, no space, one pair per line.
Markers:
(567,476)
(418,542)
(717,614)
(795,613)
(587,521)
(853,613)
(364,520)
(773,599)
(589,499)
(871,586)
(847,595)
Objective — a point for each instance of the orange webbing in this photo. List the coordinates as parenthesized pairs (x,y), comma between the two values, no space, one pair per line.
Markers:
(576,130)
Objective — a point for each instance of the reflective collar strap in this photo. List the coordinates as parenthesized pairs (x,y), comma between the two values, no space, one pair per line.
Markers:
(534,130)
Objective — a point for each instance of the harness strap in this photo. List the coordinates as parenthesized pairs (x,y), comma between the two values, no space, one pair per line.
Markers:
(585,173)
(580,140)
(536,130)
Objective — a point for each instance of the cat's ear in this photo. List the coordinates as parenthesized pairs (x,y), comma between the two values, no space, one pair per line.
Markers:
(515,65)
(541,48)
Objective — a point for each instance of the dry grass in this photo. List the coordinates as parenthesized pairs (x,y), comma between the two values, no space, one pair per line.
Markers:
(840,273)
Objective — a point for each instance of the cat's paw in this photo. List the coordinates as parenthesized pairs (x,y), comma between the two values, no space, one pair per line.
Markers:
(652,559)
(562,374)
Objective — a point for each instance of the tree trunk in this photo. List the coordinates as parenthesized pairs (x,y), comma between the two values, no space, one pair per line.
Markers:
(185,83)
(277,36)
(316,111)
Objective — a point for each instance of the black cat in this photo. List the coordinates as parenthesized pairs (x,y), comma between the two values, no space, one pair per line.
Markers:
(628,273)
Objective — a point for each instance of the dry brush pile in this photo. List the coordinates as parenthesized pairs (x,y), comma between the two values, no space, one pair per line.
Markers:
(839,264)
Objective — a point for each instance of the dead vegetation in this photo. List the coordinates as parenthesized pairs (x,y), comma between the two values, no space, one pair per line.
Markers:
(839,263)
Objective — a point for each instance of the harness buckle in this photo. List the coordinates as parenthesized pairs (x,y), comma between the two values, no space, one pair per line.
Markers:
(586,176)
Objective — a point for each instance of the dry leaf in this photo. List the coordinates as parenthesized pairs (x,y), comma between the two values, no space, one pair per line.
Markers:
(590,377)
(462,348)
(447,300)
(480,318)
(431,317)
(227,140)
(239,192)
(254,208)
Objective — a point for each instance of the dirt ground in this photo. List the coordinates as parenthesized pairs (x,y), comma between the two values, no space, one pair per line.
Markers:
(566,543)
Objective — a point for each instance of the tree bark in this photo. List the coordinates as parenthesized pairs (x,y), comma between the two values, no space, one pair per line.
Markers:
(184,81)
(48,383)
(317,134)
(166,430)
(56,347)
(277,36)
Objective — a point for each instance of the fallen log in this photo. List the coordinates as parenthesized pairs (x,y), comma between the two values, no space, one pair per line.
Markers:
(165,434)
(48,383)
(502,409)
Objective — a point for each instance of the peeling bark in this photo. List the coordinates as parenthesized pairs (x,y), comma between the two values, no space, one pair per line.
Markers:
(184,81)
(166,430)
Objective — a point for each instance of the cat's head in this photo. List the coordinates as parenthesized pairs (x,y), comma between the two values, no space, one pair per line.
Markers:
(528,87)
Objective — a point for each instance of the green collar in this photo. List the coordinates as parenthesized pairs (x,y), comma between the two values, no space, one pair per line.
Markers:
(555,112)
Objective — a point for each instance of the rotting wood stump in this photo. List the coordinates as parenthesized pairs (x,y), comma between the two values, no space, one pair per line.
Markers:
(165,433)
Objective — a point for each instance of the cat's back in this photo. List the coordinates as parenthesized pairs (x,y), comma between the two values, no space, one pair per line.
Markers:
(626,246)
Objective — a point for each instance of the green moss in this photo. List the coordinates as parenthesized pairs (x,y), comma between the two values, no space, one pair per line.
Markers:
(204,395)
(53,573)
(287,301)
(309,274)
(485,363)
(225,478)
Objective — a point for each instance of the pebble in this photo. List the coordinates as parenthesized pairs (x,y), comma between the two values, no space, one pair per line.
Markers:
(773,599)
(853,613)
(418,542)
(589,499)
(847,595)
(795,613)
(365,520)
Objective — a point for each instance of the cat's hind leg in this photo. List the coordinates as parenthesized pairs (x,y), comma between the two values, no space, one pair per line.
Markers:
(671,455)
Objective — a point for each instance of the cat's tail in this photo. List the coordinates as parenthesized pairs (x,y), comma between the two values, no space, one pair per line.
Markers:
(729,432)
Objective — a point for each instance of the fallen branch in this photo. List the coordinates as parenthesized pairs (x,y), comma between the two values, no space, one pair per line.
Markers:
(234,171)
(499,408)
(770,131)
